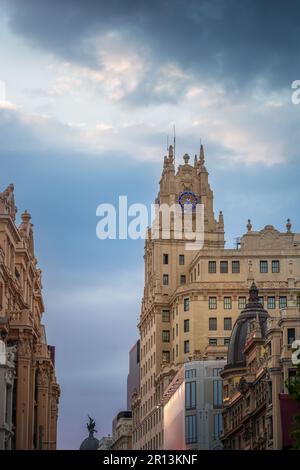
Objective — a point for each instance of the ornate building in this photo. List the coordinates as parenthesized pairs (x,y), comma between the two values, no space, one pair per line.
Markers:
(35,392)
(192,298)
(122,431)
(257,410)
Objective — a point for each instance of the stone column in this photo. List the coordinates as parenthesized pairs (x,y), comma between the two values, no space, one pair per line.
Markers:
(23,394)
(43,377)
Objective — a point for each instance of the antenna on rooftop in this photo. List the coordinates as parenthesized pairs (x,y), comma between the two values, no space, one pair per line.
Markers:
(237,241)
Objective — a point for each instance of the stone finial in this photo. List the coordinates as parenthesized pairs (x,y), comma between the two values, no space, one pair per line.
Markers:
(195,161)
(249,225)
(171,153)
(26,217)
(186,158)
(201,155)
(288,225)
(221,218)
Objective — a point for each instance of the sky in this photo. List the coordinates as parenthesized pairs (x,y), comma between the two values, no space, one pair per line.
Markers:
(89,93)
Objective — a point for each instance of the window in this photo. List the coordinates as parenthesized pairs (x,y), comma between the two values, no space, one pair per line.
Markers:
(182,279)
(235,266)
(186,347)
(165,258)
(261,300)
(271,302)
(181,260)
(298,300)
(176,350)
(165,315)
(190,395)
(241,303)
(282,302)
(166,356)
(217,395)
(223,266)
(212,324)
(186,304)
(165,279)
(290,335)
(186,326)
(190,373)
(212,341)
(190,429)
(166,336)
(212,303)
(276,266)
(228,323)
(212,267)
(226,341)
(216,372)
(264,266)
(291,375)
(227,303)
(217,425)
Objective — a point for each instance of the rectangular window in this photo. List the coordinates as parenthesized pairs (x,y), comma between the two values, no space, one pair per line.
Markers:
(235,266)
(190,395)
(186,326)
(165,279)
(218,427)
(182,279)
(212,341)
(276,266)
(186,304)
(186,346)
(263,266)
(166,356)
(212,303)
(176,350)
(290,335)
(226,341)
(216,372)
(282,302)
(191,429)
(228,323)
(190,373)
(217,395)
(227,303)
(241,303)
(291,375)
(165,315)
(223,266)
(271,302)
(166,336)
(212,323)
(298,300)
(181,260)
(165,258)
(212,267)
(261,300)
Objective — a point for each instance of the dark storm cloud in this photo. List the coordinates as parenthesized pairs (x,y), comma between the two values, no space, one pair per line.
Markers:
(231,41)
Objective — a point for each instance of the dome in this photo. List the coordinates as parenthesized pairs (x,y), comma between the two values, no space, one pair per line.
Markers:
(90,443)
(253,310)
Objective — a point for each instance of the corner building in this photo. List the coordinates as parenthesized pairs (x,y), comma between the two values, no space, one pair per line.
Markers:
(35,393)
(192,298)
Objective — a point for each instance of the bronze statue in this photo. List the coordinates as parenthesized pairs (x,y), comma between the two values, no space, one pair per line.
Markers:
(91,425)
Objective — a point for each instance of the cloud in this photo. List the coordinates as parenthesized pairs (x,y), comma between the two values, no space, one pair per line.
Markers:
(232,43)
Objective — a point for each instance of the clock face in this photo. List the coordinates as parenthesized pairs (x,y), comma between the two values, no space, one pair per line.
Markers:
(188,201)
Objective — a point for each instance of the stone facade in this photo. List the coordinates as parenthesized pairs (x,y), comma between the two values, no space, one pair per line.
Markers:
(35,389)
(192,298)
(255,393)
(122,431)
